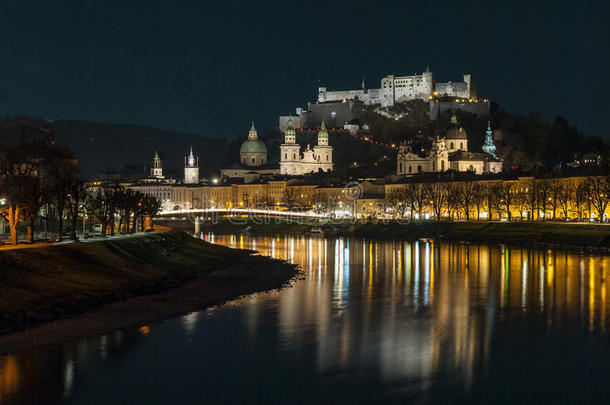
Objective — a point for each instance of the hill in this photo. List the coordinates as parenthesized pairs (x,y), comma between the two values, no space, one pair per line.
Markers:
(102,147)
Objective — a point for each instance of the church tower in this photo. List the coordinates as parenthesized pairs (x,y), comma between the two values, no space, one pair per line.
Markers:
(439,157)
(191,169)
(157,169)
(290,152)
(323,152)
(489,146)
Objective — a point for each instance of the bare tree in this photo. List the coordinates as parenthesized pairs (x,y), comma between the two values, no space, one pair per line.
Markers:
(599,187)
(478,198)
(544,196)
(504,197)
(290,198)
(437,193)
(417,195)
(581,198)
(489,192)
(75,202)
(564,197)
(464,195)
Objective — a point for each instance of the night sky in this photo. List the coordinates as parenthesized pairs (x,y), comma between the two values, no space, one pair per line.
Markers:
(209,68)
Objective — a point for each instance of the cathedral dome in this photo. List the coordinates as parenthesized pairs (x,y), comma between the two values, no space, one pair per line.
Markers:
(253,151)
(253,146)
(455,131)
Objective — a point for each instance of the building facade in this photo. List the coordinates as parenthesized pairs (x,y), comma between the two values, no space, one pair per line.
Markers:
(397,89)
(293,163)
(449,152)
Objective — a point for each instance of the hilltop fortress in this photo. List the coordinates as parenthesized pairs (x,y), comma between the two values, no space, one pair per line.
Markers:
(343,108)
(397,89)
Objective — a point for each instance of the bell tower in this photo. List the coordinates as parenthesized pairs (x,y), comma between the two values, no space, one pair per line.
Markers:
(323,152)
(290,152)
(157,169)
(191,168)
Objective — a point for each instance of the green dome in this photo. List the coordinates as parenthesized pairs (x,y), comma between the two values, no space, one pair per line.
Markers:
(290,128)
(253,146)
(323,133)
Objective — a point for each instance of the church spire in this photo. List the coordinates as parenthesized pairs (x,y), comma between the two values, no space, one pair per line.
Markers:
(489,146)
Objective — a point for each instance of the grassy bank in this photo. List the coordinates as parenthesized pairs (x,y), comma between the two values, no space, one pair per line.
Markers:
(50,282)
(557,234)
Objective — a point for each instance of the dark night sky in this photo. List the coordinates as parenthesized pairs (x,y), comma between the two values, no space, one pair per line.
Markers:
(117,62)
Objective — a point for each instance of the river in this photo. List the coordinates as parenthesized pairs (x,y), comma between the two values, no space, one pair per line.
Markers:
(371,321)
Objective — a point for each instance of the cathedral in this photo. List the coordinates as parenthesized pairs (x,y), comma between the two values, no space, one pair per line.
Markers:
(450,153)
(293,163)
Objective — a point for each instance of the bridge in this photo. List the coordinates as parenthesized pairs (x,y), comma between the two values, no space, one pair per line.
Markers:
(242,211)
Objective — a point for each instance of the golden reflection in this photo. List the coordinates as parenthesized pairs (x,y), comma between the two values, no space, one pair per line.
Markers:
(591,295)
(145,330)
(417,307)
(9,375)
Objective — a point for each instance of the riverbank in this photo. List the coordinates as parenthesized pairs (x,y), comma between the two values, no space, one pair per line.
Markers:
(62,292)
(559,235)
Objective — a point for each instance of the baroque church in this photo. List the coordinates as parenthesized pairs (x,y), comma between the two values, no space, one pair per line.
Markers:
(450,153)
(293,163)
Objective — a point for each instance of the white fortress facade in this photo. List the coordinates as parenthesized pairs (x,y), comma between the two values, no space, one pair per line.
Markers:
(312,160)
(397,89)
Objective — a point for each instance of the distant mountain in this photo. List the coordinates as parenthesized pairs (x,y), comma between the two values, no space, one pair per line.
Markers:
(102,147)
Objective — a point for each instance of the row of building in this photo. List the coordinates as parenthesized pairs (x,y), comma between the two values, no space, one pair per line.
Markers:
(374,197)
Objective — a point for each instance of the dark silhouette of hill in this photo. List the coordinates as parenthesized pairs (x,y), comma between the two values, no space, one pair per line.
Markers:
(102,147)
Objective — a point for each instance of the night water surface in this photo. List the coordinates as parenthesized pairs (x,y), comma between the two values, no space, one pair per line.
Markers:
(371,322)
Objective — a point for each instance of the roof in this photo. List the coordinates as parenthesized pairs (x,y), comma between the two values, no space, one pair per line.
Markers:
(455,132)
(253,146)
(462,155)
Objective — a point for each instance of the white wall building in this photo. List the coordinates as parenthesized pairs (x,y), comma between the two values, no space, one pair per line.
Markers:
(396,89)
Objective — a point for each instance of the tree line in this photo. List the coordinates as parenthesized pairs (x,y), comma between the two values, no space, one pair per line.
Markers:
(533,199)
(40,179)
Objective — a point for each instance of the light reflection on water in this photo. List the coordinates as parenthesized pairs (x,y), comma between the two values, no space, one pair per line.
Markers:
(372,319)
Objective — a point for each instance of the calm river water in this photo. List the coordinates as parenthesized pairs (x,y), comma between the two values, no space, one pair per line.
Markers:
(372,322)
